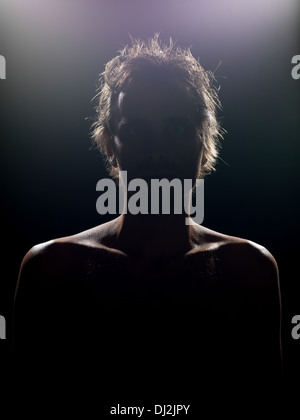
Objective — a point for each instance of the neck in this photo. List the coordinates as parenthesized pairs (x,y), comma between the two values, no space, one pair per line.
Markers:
(154,237)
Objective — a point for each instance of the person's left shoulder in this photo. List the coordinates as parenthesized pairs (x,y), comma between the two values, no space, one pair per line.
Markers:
(249,261)
(247,250)
(237,253)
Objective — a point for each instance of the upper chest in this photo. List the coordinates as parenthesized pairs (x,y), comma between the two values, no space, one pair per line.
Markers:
(115,280)
(104,279)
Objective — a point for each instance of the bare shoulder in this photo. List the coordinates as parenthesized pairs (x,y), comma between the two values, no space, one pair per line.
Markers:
(242,258)
(55,256)
(247,255)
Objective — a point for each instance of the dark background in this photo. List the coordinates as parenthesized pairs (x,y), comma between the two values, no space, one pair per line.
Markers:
(54,52)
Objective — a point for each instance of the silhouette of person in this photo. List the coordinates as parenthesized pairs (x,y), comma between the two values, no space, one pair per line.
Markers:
(149,305)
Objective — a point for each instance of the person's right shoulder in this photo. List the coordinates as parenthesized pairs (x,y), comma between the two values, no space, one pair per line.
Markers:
(47,256)
(50,262)
(54,258)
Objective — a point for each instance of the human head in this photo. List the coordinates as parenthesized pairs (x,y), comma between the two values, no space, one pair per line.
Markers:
(179,65)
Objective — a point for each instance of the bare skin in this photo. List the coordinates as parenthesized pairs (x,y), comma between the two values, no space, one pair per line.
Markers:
(166,296)
(231,315)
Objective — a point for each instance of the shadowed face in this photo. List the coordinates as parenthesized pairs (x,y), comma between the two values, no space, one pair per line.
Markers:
(155,131)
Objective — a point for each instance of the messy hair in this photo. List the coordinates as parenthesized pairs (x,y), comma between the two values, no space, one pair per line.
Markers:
(181,67)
